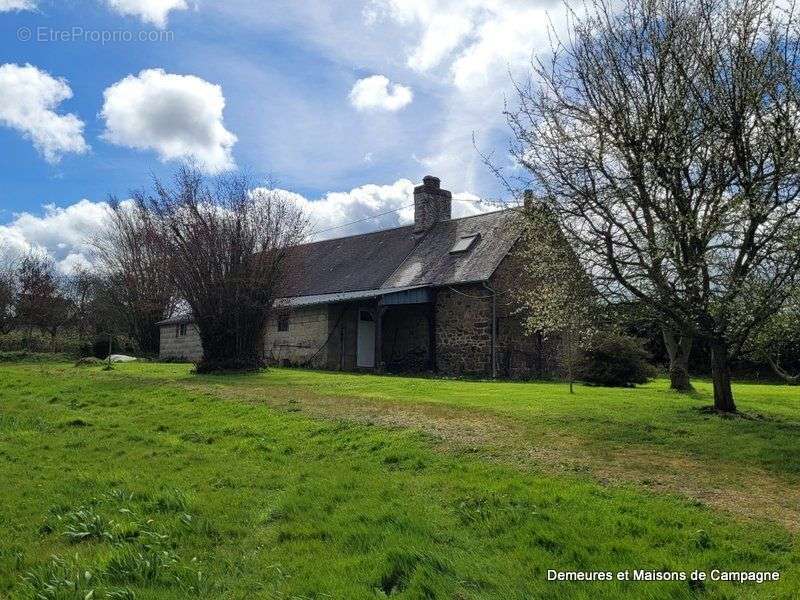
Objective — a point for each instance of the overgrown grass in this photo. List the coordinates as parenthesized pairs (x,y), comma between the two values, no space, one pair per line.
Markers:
(149,482)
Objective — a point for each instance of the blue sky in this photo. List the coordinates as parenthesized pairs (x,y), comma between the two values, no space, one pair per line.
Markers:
(344,103)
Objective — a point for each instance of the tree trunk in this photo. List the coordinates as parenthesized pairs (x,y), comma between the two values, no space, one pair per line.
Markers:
(570,362)
(780,372)
(721,375)
(679,347)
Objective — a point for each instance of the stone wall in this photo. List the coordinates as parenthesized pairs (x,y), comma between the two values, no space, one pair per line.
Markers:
(519,355)
(174,346)
(464,331)
(325,336)
(303,344)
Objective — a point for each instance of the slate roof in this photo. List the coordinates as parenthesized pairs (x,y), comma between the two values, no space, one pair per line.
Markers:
(431,264)
(350,264)
(370,264)
(397,258)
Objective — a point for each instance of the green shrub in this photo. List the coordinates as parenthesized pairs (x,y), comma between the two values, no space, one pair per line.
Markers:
(32,357)
(616,361)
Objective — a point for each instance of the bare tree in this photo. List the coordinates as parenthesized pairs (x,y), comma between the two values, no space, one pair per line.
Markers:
(665,135)
(81,289)
(135,282)
(41,299)
(224,242)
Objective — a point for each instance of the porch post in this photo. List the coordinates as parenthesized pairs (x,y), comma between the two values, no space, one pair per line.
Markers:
(379,310)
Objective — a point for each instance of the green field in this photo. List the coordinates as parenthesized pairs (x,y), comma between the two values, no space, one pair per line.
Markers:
(150,482)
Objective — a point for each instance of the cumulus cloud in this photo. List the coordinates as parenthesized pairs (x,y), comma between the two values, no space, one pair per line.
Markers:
(473,45)
(474,39)
(373,207)
(63,233)
(29,98)
(9,5)
(149,11)
(178,116)
(378,93)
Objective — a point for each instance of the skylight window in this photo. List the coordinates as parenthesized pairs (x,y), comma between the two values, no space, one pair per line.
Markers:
(464,243)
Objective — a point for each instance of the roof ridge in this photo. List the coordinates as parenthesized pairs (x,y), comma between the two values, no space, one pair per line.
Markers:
(355,235)
(377,231)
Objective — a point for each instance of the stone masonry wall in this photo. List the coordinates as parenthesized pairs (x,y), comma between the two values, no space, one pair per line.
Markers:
(304,340)
(464,331)
(519,355)
(180,347)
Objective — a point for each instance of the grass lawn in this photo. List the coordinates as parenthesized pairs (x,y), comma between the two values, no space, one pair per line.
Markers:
(150,482)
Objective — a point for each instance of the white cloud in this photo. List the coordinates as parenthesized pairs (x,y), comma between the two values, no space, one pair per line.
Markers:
(178,116)
(9,5)
(474,39)
(149,11)
(28,100)
(463,99)
(63,233)
(472,45)
(373,207)
(377,92)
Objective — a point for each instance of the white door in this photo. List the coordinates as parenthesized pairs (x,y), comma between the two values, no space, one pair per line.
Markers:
(365,354)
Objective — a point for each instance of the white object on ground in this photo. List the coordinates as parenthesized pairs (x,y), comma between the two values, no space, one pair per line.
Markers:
(121,358)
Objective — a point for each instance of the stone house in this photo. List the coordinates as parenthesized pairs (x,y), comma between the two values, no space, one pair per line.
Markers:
(432,296)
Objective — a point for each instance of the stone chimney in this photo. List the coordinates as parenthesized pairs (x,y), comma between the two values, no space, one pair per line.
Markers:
(528,200)
(431,204)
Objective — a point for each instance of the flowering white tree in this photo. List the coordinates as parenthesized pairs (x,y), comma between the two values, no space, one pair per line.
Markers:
(560,301)
(8,293)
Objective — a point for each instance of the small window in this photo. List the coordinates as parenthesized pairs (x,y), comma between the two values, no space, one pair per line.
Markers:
(464,243)
(366,316)
(283,322)
(182,330)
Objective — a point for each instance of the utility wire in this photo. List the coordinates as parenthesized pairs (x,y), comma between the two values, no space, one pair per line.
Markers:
(389,212)
(383,214)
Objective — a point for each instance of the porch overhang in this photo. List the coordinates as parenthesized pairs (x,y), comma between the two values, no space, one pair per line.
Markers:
(388,297)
